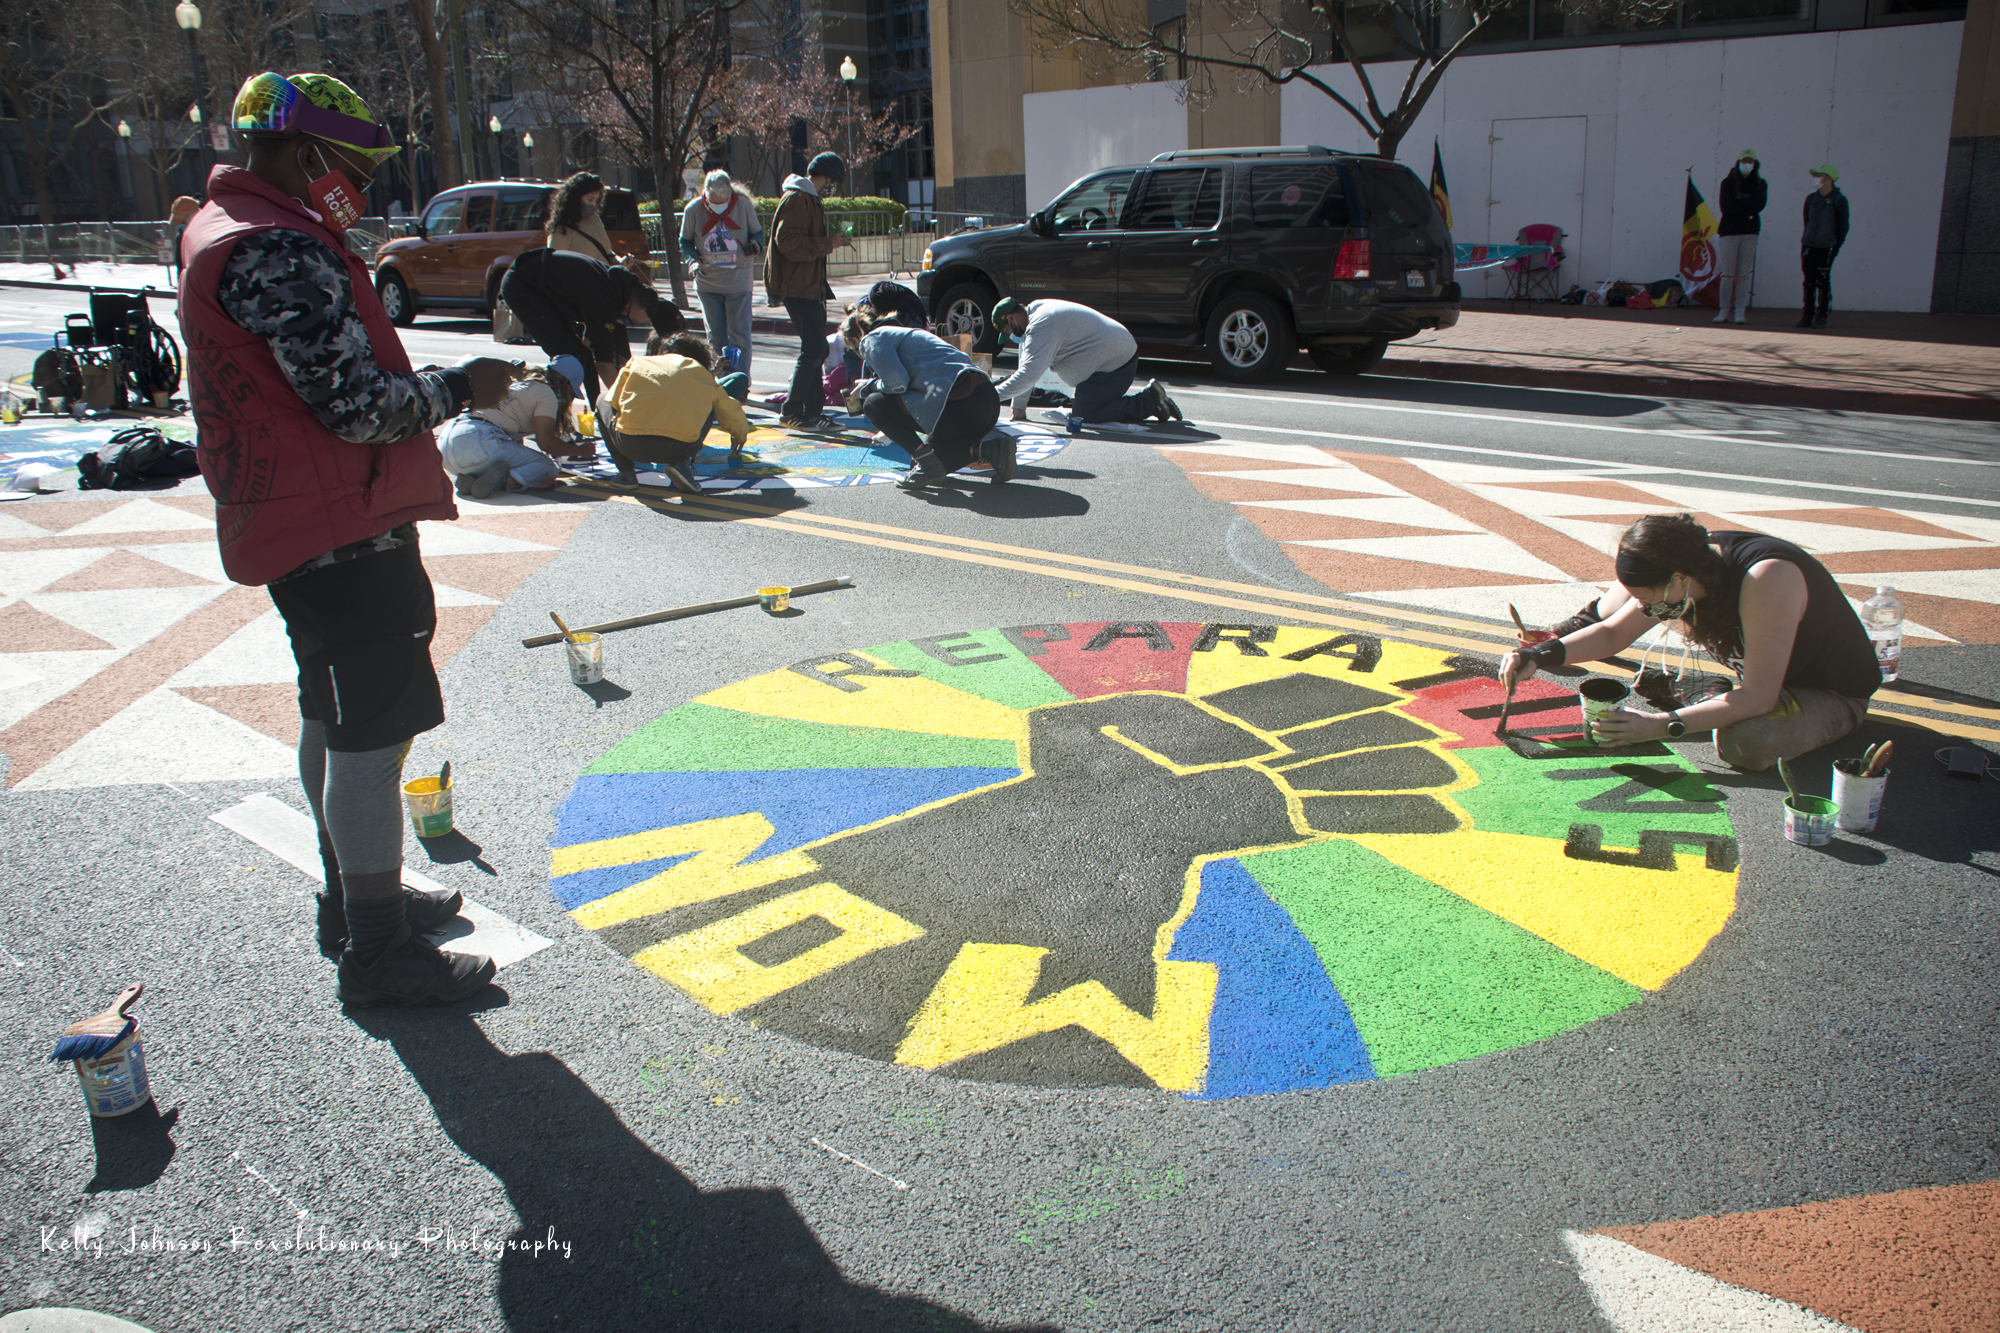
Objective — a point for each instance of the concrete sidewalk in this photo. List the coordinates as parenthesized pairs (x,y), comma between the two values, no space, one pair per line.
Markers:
(1865,361)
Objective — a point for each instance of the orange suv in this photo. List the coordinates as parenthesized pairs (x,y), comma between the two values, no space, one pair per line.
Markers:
(468,235)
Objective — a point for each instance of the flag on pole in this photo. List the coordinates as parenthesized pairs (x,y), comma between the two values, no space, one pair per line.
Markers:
(1701,265)
(1439,190)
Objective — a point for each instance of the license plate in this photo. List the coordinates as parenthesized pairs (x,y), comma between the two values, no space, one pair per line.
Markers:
(1417,278)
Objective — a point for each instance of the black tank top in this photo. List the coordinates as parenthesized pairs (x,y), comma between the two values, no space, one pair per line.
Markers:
(1831,650)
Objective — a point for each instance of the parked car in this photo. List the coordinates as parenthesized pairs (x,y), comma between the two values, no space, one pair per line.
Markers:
(461,246)
(1248,252)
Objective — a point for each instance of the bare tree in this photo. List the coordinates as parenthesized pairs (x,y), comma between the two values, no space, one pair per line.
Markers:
(1272,43)
(52,72)
(425,20)
(151,58)
(760,101)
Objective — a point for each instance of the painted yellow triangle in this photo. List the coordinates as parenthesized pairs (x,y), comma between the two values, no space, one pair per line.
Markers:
(1227,665)
(1641,926)
(896,702)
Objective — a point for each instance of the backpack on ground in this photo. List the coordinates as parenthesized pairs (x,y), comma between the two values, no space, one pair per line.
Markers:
(134,457)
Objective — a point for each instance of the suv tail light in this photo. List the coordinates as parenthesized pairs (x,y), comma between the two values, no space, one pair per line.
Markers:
(1352,261)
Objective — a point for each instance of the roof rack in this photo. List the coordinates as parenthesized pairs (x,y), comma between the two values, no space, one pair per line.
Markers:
(1289,150)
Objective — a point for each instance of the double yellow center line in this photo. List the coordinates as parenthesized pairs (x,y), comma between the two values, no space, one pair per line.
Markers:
(1425,627)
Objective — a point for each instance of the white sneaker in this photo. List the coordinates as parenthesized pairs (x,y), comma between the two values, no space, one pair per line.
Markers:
(1721,317)
(1742,317)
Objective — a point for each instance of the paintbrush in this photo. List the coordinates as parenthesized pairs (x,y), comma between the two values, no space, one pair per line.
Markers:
(1876,762)
(444,775)
(567,636)
(1523,629)
(93,1036)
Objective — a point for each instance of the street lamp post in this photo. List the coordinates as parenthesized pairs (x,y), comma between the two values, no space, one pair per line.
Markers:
(493,124)
(188,15)
(528,146)
(848,73)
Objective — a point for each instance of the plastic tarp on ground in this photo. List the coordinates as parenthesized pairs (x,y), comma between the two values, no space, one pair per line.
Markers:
(1471,257)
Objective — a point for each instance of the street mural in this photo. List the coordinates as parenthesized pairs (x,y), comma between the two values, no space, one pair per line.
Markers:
(781,460)
(1222,859)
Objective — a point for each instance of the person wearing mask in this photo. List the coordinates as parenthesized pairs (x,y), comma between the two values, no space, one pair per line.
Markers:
(314,436)
(1804,665)
(1824,233)
(1089,351)
(796,275)
(573,305)
(662,406)
(574,226)
(487,449)
(928,397)
(719,237)
(1743,194)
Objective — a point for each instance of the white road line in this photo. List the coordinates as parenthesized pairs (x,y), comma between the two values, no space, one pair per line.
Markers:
(291,837)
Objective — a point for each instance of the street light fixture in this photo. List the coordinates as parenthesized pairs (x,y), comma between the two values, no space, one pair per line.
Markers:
(493,124)
(188,15)
(848,74)
(528,143)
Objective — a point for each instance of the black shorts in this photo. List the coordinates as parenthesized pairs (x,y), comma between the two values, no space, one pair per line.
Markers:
(361,631)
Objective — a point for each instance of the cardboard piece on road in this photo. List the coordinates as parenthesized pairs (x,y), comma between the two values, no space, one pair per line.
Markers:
(291,837)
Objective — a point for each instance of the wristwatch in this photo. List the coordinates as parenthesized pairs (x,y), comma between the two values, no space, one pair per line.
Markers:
(1675,727)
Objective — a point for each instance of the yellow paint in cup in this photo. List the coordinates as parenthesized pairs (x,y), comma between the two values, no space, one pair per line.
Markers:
(774,600)
(430,806)
(587,422)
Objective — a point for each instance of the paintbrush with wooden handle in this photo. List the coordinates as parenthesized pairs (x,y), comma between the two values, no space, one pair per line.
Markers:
(93,1036)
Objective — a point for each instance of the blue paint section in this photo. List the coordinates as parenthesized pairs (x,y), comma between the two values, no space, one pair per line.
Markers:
(587,886)
(802,804)
(1278,1024)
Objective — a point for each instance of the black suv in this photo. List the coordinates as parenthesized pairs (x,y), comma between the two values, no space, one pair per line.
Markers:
(1250,252)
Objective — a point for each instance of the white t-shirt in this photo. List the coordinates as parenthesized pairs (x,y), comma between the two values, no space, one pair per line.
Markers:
(516,413)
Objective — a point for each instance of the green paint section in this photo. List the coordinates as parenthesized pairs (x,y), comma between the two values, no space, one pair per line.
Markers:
(1515,796)
(1013,680)
(1428,977)
(699,738)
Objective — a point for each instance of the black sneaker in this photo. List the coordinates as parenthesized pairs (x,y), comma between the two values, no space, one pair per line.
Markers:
(820,425)
(1819,321)
(1164,408)
(424,911)
(1000,453)
(412,971)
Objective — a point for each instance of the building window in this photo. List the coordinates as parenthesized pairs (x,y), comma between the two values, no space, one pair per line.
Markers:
(1173,34)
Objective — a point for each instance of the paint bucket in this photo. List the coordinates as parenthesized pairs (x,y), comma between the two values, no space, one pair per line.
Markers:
(430,806)
(115,1083)
(1597,694)
(1809,820)
(586,658)
(774,600)
(1859,799)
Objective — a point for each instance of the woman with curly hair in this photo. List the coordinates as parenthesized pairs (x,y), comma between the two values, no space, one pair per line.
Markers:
(1761,606)
(574,224)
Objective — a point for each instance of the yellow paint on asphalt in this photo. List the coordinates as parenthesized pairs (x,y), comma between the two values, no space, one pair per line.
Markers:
(898,703)
(717,869)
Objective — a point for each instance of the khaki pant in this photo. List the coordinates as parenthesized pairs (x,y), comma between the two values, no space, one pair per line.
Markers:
(1804,719)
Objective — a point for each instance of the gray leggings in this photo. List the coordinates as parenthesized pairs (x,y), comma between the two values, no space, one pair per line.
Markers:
(357,798)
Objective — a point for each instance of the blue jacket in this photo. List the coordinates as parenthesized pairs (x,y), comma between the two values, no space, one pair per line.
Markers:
(917,364)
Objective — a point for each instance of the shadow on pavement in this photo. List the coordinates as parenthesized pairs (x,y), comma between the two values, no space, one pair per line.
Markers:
(605,692)
(132,1149)
(1011,501)
(636,1243)
(453,848)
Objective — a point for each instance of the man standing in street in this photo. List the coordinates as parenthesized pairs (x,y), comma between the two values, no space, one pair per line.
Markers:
(573,305)
(1091,352)
(314,436)
(796,275)
(1825,232)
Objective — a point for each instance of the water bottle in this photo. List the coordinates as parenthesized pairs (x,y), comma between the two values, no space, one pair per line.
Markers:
(1882,614)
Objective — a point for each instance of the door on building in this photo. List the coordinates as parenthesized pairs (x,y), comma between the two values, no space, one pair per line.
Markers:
(1074,256)
(1537,177)
(1174,240)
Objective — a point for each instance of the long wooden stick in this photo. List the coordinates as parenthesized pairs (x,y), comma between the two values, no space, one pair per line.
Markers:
(677,613)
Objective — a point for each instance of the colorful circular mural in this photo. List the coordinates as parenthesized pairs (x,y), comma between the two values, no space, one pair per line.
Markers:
(1216,858)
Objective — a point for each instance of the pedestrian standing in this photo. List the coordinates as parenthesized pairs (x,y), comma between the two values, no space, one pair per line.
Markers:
(1088,350)
(178,216)
(719,237)
(573,305)
(1743,194)
(796,275)
(314,436)
(574,225)
(1825,232)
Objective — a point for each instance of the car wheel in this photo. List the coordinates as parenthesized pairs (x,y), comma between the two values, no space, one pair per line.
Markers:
(1249,337)
(966,308)
(396,302)
(1349,358)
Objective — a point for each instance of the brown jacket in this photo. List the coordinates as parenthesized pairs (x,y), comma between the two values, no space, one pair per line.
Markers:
(796,269)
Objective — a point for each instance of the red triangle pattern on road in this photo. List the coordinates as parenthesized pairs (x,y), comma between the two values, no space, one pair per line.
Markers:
(271,709)
(23,629)
(1913,1261)
(126,569)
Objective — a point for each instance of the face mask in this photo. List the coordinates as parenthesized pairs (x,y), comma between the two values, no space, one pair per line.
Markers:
(334,195)
(1744,167)
(1668,610)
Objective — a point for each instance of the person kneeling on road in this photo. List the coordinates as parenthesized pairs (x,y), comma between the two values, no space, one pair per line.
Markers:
(572,305)
(314,437)
(487,449)
(1804,664)
(923,384)
(662,405)
(1091,352)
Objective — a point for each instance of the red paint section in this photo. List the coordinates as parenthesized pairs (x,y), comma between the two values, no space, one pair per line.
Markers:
(1122,663)
(1447,706)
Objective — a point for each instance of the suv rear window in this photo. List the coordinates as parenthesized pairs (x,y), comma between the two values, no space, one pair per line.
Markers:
(620,211)
(1303,194)
(523,210)
(1179,199)
(1393,195)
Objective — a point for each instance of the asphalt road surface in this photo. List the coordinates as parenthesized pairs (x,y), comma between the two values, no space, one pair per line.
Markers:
(1112,912)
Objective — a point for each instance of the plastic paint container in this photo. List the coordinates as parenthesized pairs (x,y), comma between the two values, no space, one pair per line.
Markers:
(430,806)
(587,422)
(1597,694)
(774,600)
(586,658)
(1809,820)
(115,1083)
(1859,799)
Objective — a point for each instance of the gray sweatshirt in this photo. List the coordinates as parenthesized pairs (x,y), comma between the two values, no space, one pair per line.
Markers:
(1073,340)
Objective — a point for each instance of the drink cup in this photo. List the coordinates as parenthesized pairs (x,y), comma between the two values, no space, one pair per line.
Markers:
(586,658)
(1597,694)
(1859,799)
(1809,820)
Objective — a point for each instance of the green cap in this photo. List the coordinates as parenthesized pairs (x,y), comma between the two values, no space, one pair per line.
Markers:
(1832,173)
(1007,306)
(1747,155)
